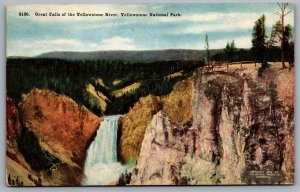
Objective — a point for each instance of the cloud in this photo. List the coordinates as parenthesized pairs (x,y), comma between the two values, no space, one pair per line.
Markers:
(83,33)
(240,42)
(220,27)
(271,19)
(118,43)
(63,42)
(229,22)
(201,17)
(36,47)
(13,11)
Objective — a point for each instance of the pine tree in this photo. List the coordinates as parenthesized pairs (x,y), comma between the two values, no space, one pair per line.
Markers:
(229,51)
(17,181)
(207,49)
(274,34)
(259,41)
(284,39)
(288,45)
(9,180)
(282,14)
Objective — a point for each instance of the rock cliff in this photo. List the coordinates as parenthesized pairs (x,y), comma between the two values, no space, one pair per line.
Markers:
(241,132)
(132,127)
(63,127)
(17,168)
(177,105)
(13,127)
(55,133)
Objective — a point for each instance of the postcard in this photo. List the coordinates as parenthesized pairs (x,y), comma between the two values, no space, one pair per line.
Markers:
(150,94)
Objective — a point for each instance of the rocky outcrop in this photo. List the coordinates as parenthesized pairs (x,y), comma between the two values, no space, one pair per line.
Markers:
(13,131)
(176,106)
(162,152)
(13,127)
(240,133)
(133,125)
(95,98)
(17,169)
(63,128)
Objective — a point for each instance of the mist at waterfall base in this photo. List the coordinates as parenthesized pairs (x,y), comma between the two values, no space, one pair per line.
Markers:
(101,165)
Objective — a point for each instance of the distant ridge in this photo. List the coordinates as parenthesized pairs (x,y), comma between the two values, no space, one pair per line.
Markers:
(149,55)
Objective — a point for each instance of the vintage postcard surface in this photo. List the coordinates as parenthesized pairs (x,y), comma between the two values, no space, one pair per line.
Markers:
(150,94)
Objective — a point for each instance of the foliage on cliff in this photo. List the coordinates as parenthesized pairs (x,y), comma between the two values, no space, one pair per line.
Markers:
(37,157)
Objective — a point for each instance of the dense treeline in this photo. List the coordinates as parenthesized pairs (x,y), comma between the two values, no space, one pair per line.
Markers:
(71,78)
(273,54)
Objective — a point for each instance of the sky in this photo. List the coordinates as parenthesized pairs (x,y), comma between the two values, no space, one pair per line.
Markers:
(33,35)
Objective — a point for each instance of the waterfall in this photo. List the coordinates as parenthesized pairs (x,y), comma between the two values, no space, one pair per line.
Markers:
(104,148)
(101,166)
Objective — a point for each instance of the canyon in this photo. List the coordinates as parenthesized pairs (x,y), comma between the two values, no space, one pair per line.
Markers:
(213,128)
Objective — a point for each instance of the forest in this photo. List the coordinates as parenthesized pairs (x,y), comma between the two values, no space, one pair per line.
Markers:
(71,78)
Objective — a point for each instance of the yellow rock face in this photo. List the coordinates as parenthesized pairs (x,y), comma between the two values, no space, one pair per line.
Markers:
(127,89)
(176,105)
(96,98)
(134,124)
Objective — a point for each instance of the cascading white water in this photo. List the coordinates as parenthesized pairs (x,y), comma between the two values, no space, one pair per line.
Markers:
(101,166)
(103,148)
